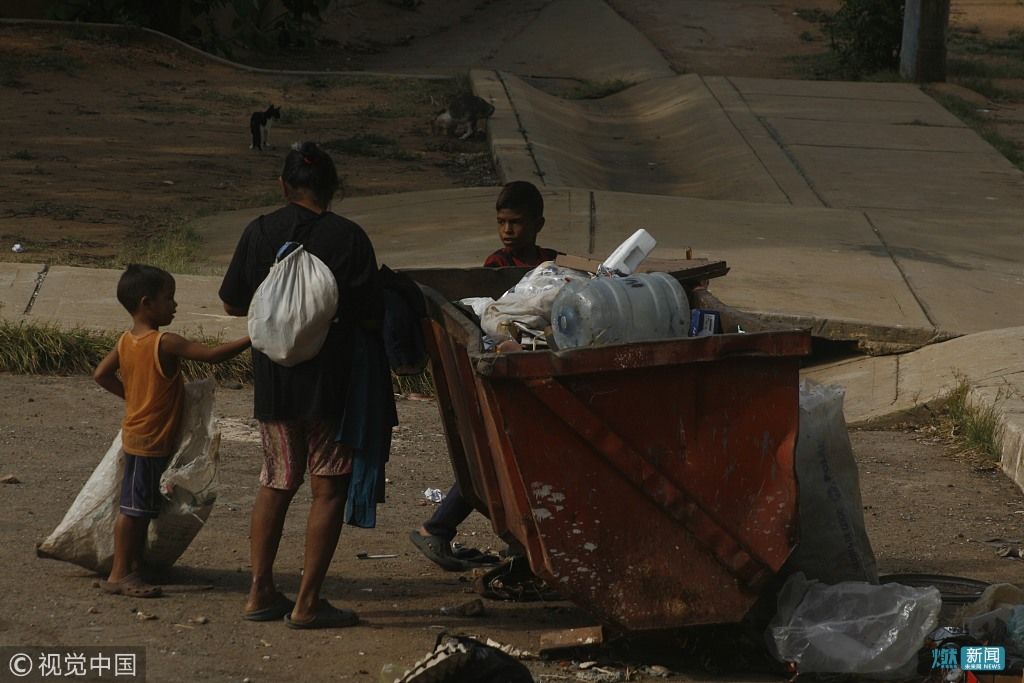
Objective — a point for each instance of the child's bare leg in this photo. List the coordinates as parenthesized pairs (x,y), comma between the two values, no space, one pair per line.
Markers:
(268,514)
(129,543)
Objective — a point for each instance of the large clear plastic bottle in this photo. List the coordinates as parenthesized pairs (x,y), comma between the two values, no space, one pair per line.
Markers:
(619,310)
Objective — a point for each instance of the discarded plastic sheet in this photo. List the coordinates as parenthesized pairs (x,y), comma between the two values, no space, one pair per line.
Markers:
(434,495)
(368,556)
(852,627)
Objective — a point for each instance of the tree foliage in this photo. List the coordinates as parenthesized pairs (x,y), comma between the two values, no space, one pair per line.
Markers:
(254,23)
(866,35)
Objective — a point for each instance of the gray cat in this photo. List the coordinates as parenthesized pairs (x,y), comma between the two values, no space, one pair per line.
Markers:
(462,110)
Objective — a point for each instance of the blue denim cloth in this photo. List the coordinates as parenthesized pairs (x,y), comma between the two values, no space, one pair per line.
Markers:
(366,426)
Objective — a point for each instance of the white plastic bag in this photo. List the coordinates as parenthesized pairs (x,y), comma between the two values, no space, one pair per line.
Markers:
(529,302)
(86,534)
(833,545)
(292,309)
(852,627)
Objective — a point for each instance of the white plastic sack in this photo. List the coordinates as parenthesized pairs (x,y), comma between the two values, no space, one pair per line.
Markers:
(529,302)
(852,627)
(292,309)
(86,534)
(833,545)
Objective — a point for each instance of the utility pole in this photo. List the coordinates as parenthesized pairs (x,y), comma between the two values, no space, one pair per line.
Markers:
(923,53)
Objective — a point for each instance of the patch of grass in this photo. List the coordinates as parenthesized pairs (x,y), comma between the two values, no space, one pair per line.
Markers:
(292,115)
(969,114)
(34,348)
(595,90)
(814,16)
(175,248)
(47,349)
(23,154)
(985,86)
(169,108)
(55,210)
(422,384)
(317,83)
(972,67)
(370,145)
(975,426)
(402,110)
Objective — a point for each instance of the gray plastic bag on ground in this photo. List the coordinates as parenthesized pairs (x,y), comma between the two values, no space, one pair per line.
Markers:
(189,485)
(852,627)
(833,545)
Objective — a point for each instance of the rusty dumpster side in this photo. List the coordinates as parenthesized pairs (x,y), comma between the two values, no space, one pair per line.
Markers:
(652,484)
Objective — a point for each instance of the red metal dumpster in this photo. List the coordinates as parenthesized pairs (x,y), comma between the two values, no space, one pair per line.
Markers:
(652,484)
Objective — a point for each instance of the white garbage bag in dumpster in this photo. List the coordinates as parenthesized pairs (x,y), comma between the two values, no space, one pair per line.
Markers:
(189,485)
(529,302)
(852,627)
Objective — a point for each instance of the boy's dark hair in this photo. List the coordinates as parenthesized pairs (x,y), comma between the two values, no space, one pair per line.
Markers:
(521,196)
(310,168)
(138,281)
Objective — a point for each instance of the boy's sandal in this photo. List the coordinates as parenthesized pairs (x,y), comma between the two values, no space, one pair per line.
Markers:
(131,586)
(438,551)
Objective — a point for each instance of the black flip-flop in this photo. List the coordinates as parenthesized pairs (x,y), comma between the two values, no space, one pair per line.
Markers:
(438,551)
(278,609)
(327,616)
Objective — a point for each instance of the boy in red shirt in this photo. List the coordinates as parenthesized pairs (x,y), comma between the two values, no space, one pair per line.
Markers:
(144,369)
(520,208)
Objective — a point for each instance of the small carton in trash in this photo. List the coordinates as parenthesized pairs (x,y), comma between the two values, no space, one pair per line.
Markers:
(705,322)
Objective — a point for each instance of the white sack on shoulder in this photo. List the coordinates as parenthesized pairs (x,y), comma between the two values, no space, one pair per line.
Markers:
(86,534)
(292,309)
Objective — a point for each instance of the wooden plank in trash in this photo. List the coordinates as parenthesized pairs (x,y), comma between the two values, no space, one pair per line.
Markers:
(589,636)
(684,270)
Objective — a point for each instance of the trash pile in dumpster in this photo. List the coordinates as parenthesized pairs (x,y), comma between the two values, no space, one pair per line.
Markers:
(560,307)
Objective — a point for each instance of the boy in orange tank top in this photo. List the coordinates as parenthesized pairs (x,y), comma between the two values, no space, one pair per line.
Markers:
(144,369)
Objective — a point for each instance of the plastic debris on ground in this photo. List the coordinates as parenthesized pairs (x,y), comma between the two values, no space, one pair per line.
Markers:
(852,627)
(461,659)
(434,495)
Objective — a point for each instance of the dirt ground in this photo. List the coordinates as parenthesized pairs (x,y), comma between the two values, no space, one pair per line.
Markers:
(926,511)
(108,143)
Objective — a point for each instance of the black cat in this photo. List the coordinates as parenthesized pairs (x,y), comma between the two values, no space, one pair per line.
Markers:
(462,110)
(259,126)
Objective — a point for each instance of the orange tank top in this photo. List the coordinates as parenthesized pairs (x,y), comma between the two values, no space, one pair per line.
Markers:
(153,403)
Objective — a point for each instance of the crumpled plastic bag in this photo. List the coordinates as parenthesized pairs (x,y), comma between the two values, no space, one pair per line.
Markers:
(189,485)
(529,302)
(852,627)
(834,544)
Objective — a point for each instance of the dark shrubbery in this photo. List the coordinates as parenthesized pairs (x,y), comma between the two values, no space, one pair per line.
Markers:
(866,35)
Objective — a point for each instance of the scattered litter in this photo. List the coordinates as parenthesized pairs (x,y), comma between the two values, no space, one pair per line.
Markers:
(1010,552)
(511,650)
(18,248)
(473,608)
(93,610)
(200,620)
(657,670)
(460,659)
(434,495)
(143,616)
(368,556)
(852,627)
(168,182)
(9,479)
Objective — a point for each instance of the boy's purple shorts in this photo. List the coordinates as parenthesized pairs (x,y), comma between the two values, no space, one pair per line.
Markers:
(140,488)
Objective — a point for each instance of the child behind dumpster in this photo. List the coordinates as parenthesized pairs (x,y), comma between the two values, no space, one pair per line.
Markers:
(520,214)
(520,209)
(150,382)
